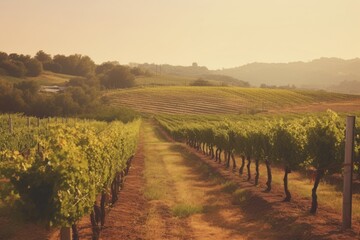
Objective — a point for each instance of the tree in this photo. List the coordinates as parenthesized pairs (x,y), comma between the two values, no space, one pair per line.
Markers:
(3,56)
(53,67)
(14,68)
(85,66)
(201,82)
(105,67)
(31,86)
(43,57)
(34,67)
(75,64)
(118,77)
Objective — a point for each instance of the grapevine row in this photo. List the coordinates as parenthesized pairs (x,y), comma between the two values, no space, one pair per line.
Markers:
(294,142)
(59,170)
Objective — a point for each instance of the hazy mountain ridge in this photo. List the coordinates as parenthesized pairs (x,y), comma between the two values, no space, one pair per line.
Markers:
(320,73)
(334,74)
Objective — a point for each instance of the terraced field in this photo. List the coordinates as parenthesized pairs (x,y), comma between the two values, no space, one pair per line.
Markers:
(227,100)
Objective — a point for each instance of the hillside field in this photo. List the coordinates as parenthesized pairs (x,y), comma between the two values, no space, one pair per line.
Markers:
(229,100)
(46,78)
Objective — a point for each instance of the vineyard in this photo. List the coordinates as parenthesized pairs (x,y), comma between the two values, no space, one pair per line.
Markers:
(228,100)
(67,174)
(291,142)
(57,169)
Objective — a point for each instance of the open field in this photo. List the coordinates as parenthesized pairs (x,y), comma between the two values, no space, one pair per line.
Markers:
(46,78)
(228,100)
(164,80)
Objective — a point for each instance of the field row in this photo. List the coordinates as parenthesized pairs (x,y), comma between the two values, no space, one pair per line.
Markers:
(220,100)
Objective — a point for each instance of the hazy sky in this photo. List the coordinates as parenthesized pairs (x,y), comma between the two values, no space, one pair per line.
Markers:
(213,33)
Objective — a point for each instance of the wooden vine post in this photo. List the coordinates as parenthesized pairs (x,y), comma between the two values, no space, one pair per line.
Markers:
(10,125)
(65,233)
(348,169)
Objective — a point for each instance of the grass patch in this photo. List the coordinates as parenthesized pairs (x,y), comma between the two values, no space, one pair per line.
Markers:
(240,196)
(153,193)
(229,187)
(184,210)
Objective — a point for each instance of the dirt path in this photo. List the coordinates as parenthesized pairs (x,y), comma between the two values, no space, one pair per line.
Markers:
(185,204)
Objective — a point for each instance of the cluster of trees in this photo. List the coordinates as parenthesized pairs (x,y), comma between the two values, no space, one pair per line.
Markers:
(263,85)
(25,97)
(110,75)
(75,64)
(80,98)
(201,82)
(19,65)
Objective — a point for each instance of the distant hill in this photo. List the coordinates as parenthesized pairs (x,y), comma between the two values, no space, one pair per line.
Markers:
(192,72)
(320,73)
(350,87)
(323,73)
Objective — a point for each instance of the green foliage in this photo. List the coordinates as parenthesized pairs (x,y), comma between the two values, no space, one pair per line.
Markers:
(14,68)
(34,67)
(75,64)
(183,210)
(20,65)
(59,170)
(200,82)
(43,57)
(108,114)
(325,142)
(118,77)
(293,141)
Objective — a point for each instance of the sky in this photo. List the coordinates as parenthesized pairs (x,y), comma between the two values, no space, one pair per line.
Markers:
(214,33)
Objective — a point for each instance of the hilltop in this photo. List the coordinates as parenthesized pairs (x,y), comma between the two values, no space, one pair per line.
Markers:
(320,73)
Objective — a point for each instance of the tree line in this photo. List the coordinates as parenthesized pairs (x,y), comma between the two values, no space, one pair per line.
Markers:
(109,74)
(81,95)
(81,98)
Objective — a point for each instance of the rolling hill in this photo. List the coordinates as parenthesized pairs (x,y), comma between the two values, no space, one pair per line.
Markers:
(227,100)
(320,73)
(46,78)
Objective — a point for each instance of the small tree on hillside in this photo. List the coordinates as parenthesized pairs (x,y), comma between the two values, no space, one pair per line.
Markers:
(118,77)
(34,67)
(43,57)
(201,82)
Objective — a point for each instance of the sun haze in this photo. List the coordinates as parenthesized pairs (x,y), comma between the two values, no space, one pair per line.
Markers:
(213,33)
